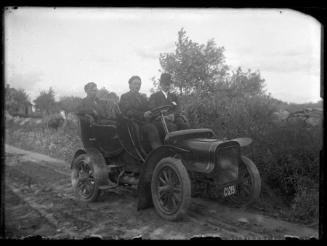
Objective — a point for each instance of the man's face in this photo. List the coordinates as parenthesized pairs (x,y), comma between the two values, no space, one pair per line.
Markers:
(135,85)
(165,87)
(92,92)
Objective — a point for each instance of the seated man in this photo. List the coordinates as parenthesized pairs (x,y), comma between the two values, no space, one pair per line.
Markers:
(135,106)
(100,109)
(90,104)
(175,121)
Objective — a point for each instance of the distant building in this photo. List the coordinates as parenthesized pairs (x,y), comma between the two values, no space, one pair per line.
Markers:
(17,102)
(23,110)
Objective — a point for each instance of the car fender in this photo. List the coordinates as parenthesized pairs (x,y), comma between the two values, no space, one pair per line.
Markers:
(242,141)
(99,162)
(77,154)
(144,185)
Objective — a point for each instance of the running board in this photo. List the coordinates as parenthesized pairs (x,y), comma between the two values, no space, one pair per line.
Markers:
(108,187)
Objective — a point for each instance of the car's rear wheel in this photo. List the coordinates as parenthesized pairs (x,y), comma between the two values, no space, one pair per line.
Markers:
(248,186)
(171,189)
(83,179)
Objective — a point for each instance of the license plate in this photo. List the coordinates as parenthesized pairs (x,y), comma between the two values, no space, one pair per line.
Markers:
(229,190)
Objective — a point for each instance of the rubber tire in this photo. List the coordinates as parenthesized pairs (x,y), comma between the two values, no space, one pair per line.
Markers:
(96,192)
(255,180)
(184,179)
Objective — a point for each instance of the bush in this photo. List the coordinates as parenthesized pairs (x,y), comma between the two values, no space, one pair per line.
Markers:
(306,204)
(285,155)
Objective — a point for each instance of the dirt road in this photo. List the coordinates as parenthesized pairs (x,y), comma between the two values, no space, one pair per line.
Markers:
(39,201)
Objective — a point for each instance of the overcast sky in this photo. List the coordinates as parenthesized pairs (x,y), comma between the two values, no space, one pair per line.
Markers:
(67,47)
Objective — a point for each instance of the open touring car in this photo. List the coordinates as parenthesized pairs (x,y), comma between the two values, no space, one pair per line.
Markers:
(116,154)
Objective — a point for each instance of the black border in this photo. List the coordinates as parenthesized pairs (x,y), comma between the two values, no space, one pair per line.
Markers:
(316,9)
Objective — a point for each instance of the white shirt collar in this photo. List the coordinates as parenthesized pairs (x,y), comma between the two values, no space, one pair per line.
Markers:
(165,93)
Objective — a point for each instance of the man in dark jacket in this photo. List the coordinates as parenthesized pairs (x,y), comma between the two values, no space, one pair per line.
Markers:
(101,110)
(135,106)
(90,104)
(175,121)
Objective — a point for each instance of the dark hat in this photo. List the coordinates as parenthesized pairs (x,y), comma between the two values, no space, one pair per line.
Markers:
(165,78)
(89,86)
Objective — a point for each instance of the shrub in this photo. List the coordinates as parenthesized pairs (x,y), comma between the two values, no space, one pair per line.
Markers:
(284,154)
(305,205)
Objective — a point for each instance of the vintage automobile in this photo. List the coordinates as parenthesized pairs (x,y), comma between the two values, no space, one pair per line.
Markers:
(115,154)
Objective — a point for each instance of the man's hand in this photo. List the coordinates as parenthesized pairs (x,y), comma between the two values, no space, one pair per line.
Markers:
(147,114)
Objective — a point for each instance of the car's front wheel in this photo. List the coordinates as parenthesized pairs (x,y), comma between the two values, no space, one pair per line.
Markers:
(83,179)
(249,183)
(171,189)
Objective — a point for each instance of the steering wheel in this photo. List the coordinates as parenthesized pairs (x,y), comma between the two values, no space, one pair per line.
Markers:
(162,109)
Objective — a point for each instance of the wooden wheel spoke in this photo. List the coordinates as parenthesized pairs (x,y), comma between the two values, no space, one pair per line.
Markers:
(161,195)
(163,188)
(177,189)
(163,181)
(164,199)
(173,198)
(170,177)
(165,176)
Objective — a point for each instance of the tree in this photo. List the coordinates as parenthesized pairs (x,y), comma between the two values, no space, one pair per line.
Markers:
(105,94)
(69,103)
(45,102)
(155,83)
(14,98)
(201,69)
(194,66)
(245,84)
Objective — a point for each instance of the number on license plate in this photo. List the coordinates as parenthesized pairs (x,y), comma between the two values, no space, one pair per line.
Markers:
(229,190)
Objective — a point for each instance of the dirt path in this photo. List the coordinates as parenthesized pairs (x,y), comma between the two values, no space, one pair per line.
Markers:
(39,201)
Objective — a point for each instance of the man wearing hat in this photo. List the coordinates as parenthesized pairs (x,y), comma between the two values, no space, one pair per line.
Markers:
(175,121)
